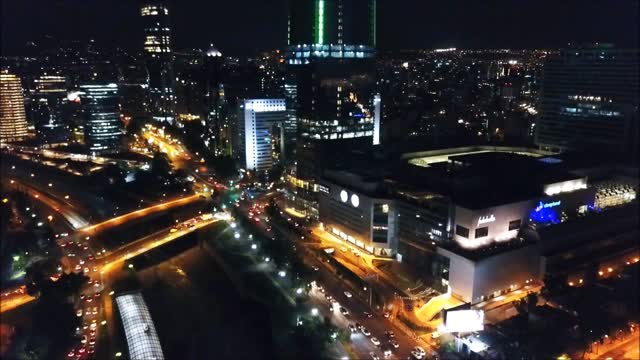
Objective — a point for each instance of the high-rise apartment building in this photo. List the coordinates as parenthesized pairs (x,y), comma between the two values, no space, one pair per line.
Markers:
(103,128)
(590,100)
(260,124)
(329,87)
(13,119)
(47,101)
(159,59)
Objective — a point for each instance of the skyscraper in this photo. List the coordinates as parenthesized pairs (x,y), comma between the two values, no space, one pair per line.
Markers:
(103,129)
(159,59)
(257,119)
(329,87)
(590,100)
(48,98)
(13,119)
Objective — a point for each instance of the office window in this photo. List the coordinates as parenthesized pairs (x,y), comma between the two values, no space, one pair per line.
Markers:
(482,232)
(462,231)
(515,224)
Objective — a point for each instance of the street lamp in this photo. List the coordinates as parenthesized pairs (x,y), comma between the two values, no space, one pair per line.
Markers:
(314,312)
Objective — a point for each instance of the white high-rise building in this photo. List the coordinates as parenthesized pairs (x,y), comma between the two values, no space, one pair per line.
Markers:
(103,128)
(256,121)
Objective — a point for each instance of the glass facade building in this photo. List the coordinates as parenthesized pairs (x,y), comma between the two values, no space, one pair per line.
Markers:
(159,59)
(50,95)
(103,128)
(13,119)
(330,87)
(590,98)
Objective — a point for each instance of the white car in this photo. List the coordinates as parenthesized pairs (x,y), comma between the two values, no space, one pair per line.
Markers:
(347,294)
(416,354)
(394,344)
(374,356)
(352,328)
(365,331)
(375,341)
(79,313)
(344,311)
(420,351)
(386,315)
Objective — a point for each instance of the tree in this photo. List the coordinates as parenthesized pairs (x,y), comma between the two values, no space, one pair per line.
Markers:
(160,165)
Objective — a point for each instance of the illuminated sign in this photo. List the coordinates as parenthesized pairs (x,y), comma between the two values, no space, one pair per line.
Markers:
(542,205)
(355,200)
(344,196)
(486,219)
(464,321)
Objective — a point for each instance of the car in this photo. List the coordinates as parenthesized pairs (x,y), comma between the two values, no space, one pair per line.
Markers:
(394,343)
(95,269)
(344,311)
(81,262)
(375,341)
(365,331)
(352,328)
(374,356)
(71,354)
(89,299)
(84,339)
(347,294)
(82,296)
(93,326)
(435,335)
(390,334)
(358,326)
(368,314)
(96,295)
(386,315)
(92,341)
(420,350)
(79,313)
(95,310)
(329,297)
(92,350)
(387,352)
(173,230)
(87,270)
(78,268)
(416,355)
(85,326)
(315,268)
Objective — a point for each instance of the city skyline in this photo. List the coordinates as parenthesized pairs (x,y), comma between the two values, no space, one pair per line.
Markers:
(238,27)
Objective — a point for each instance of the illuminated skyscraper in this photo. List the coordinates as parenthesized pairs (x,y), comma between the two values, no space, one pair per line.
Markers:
(50,94)
(329,87)
(13,119)
(159,59)
(102,128)
(257,119)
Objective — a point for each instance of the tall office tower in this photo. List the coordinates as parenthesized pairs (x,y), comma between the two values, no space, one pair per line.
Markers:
(133,91)
(13,119)
(260,124)
(217,117)
(329,87)
(590,100)
(159,59)
(103,128)
(47,101)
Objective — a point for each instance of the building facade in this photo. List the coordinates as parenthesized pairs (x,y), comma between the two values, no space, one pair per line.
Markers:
(257,119)
(103,128)
(357,211)
(590,99)
(13,118)
(159,59)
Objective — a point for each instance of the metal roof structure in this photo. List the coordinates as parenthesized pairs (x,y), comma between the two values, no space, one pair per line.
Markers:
(142,339)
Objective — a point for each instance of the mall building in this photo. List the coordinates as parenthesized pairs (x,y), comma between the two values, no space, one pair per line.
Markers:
(460,217)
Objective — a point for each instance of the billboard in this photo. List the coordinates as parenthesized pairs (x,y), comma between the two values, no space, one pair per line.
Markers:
(463,320)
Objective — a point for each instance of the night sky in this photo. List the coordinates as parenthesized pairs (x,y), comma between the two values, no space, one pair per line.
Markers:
(242,26)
